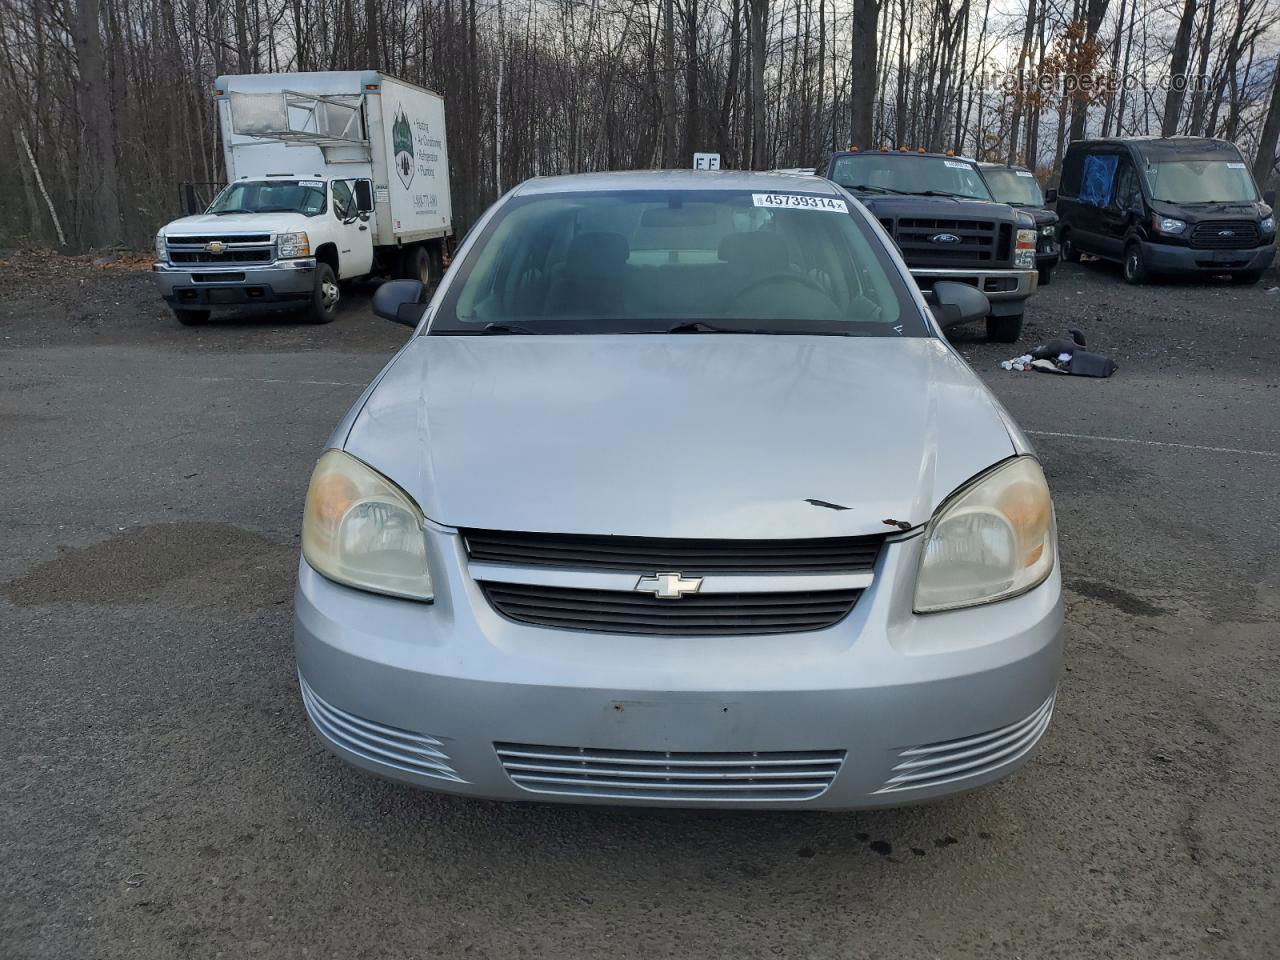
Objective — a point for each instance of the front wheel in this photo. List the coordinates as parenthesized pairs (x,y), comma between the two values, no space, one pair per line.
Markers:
(323,306)
(1068,249)
(1246,278)
(1134,266)
(1004,329)
(191,318)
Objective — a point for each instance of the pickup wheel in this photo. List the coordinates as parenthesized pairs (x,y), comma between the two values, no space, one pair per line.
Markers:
(324,300)
(1004,329)
(1068,248)
(1134,267)
(191,318)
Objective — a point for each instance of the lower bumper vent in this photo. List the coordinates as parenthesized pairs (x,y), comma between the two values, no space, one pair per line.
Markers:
(657,775)
(949,761)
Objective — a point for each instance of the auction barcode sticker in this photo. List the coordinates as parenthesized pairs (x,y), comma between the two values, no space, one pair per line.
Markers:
(799,201)
(311,183)
(956,164)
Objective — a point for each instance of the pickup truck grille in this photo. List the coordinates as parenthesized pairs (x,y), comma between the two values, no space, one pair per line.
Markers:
(978,243)
(241,248)
(1224,235)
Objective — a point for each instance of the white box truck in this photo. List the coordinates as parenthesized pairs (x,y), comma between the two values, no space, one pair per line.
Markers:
(330,176)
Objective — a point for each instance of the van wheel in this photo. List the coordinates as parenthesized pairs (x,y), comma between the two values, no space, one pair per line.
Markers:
(1004,329)
(1134,269)
(191,318)
(324,300)
(1246,278)
(1068,249)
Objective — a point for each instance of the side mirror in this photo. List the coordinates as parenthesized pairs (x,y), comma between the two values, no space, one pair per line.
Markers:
(1051,195)
(1269,197)
(400,301)
(364,196)
(953,303)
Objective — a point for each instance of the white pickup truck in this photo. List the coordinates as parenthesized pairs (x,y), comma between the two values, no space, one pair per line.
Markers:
(330,176)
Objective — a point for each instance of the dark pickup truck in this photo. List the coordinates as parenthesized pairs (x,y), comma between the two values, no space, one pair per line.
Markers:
(939,211)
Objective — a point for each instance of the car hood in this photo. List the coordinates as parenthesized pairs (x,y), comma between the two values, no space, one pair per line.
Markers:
(711,435)
(916,206)
(233,223)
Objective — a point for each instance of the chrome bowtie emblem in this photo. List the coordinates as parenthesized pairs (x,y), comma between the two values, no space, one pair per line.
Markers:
(944,238)
(668,586)
(215,246)
(1226,233)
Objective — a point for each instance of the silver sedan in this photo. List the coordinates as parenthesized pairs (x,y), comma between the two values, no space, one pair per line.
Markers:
(678,496)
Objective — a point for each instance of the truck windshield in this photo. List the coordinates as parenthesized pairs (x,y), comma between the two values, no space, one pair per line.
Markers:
(909,173)
(1016,187)
(271,196)
(686,261)
(1201,181)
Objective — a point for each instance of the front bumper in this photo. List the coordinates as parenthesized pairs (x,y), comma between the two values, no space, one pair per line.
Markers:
(200,285)
(1169,258)
(1006,289)
(883,708)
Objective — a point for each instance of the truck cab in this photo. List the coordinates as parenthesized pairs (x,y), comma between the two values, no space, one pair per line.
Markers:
(332,177)
(939,211)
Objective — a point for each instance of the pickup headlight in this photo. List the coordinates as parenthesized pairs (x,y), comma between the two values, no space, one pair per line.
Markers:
(1047,231)
(1024,256)
(1168,225)
(360,529)
(162,249)
(294,245)
(1268,224)
(992,539)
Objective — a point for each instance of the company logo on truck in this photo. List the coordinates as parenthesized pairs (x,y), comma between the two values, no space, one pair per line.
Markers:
(402,147)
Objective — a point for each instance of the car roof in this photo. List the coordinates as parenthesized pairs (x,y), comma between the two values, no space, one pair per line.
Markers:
(677,180)
(903,153)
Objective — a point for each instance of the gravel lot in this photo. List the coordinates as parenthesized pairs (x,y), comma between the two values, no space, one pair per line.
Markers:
(161,795)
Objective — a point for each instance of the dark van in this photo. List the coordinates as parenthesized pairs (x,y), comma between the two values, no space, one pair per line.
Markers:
(1173,205)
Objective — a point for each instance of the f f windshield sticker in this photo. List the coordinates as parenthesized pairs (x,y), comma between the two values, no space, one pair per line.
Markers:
(800,201)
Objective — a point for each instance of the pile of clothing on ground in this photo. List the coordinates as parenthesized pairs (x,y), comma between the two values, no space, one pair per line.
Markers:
(1064,356)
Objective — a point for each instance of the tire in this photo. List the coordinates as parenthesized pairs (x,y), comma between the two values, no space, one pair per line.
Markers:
(1133,267)
(1046,276)
(1068,249)
(418,264)
(324,301)
(191,318)
(1246,278)
(1004,329)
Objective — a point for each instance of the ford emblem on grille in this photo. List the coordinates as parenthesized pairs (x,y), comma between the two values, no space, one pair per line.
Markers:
(1226,233)
(944,238)
(215,246)
(668,586)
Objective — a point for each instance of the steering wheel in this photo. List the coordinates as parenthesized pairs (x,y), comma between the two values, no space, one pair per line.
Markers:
(769,278)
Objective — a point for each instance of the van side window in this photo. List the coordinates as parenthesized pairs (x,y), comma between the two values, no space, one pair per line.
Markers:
(1071,167)
(1099,175)
(1128,196)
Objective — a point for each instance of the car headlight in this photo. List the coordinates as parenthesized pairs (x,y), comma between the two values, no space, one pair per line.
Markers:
(1268,224)
(162,249)
(360,529)
(992,539)
(294,245)
(1168,224)
(1047,231)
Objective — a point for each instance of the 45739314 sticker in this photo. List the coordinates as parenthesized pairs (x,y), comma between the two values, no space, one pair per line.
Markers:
(800,201)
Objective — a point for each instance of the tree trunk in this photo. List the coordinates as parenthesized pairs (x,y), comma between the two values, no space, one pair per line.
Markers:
(866,14)
(97,162)
(759,25)
(1178,71)
(1265,159)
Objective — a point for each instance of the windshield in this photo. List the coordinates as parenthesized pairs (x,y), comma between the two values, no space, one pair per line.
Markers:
(910,173)
(1201,181)
(271,196)
(1014,186)
(678,261)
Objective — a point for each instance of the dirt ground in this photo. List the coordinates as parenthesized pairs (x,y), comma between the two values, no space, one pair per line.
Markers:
(161,795)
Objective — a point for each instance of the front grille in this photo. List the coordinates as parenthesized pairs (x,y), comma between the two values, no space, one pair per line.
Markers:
(240,248)
(980,242)
(694,615)
(1225,235)
(387,746)
(661,775)
(647,554)
(948,761)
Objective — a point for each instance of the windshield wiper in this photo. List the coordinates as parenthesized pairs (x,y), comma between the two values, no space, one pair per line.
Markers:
(701,326)
(505,328)
(869,188)
(221,213)
(945,193)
